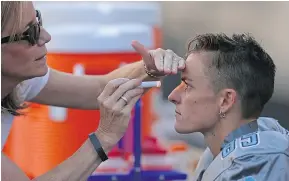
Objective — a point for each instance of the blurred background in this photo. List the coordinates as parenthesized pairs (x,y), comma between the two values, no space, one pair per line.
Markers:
(94,38)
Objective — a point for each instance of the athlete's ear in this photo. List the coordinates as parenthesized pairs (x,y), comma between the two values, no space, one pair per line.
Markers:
(227,99)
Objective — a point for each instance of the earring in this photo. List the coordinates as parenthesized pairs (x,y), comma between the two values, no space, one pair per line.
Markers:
(222,115)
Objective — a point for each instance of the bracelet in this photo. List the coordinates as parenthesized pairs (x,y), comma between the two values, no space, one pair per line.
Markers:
(150,74)
(97,146)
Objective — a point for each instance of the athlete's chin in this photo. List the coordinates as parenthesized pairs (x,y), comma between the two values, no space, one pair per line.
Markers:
(184,129)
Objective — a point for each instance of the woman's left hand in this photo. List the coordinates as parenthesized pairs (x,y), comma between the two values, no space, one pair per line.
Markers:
(160,62)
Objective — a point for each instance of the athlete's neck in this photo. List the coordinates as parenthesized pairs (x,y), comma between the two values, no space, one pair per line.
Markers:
(216,136)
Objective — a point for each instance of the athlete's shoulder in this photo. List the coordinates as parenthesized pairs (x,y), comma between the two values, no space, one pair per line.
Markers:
(264,142)
(271,124)
(265,148)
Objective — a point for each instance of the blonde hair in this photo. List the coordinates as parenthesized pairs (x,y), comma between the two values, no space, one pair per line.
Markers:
(12,11)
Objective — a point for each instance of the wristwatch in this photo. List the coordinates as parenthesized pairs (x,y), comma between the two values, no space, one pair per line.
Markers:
(97,146)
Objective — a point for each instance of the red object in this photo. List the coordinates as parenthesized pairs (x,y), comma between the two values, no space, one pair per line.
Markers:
(151,146)
(116,152)
(153,155)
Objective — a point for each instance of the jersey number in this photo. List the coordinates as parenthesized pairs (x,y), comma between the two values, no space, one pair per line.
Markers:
(246,141)
(249,140)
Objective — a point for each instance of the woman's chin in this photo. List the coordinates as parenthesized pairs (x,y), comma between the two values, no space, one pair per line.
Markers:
(39,72)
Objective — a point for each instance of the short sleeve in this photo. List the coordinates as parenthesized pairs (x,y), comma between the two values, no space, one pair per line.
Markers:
(264,167)
(31,88)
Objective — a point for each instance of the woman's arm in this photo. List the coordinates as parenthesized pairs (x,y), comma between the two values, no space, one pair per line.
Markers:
(76,168)
(115,115)
(67,90)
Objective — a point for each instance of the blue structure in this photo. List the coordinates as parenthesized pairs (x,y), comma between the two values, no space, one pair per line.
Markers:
(136,173)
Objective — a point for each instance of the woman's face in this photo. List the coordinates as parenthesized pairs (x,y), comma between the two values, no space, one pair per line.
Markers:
(19,59)
(197,105)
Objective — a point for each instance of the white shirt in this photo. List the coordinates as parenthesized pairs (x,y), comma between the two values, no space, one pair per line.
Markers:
(27,90)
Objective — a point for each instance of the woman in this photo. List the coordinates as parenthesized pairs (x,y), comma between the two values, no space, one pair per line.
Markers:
(26,77)
(226,83)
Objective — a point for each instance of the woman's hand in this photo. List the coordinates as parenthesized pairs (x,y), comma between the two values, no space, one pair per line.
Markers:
(116,103)
(159,62)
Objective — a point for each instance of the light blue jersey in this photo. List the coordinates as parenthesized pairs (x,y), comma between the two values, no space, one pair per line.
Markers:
(258,151)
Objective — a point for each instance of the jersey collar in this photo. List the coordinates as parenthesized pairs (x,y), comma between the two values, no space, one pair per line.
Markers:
(243,130)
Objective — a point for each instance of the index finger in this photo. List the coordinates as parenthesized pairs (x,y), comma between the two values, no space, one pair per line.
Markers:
(143,52)
(122,89)
(140,49)
(110,87)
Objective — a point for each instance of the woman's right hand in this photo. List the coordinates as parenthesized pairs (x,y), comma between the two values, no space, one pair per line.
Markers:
(116,103)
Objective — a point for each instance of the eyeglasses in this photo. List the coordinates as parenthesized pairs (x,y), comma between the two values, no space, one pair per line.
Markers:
(31,35)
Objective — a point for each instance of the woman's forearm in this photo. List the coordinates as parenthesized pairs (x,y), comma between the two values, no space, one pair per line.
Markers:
(78,167)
